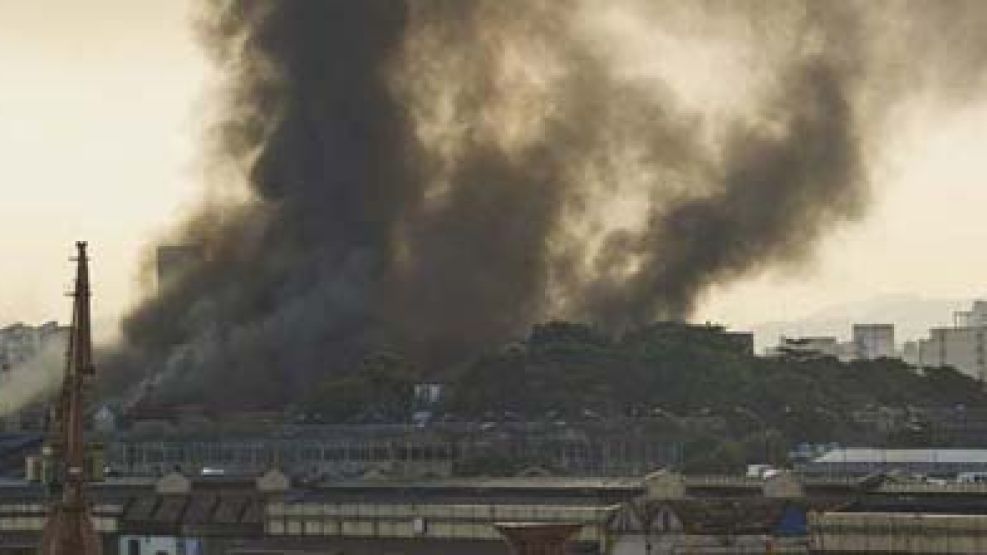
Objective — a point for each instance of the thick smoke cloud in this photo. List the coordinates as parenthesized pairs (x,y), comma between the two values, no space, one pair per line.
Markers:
(779,190)
(433,176)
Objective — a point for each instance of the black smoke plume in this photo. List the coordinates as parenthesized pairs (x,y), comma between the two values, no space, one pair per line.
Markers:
(434,176)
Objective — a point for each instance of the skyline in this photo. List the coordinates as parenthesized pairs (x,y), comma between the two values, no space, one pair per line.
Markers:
(102,120)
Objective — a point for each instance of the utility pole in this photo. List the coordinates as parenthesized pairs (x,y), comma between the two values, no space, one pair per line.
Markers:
(69,528)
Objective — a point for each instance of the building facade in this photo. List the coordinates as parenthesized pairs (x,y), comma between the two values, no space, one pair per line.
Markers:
(961,347)
(621,447)
(872,341)
(20,343)
(810,346)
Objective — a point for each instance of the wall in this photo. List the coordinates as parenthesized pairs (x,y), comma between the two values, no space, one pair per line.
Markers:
(961,348)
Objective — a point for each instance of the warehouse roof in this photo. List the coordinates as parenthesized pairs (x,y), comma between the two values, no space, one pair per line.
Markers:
(903,456)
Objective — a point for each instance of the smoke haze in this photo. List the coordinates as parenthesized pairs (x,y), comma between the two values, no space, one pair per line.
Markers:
(34,379)
(435,176)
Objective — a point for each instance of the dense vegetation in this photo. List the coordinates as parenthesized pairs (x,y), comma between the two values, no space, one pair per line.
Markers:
(573,371)
(695,386)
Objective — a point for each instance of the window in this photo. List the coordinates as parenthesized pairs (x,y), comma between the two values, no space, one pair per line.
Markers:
(133,547)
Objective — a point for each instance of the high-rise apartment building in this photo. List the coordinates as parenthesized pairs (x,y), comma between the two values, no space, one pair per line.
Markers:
(872,341)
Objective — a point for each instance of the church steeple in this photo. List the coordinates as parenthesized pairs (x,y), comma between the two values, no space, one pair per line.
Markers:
(69,529)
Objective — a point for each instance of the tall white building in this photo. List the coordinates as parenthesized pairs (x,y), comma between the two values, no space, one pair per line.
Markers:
(872,341)
(975,317)
(961,347)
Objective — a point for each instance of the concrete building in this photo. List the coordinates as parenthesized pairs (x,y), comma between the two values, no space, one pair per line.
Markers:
(960,347)
(810,346)
(872,341)
(20,343)
(910,353)
(975,317)
(868,342)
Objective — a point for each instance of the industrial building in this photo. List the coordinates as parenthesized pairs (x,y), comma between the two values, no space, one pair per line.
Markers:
(659,513)
(860,461)
(614,447)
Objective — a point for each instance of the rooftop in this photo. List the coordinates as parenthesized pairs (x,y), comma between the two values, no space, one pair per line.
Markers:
(871,455)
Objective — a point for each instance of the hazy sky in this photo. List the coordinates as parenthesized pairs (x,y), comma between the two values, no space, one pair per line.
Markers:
(97,137)
(100,116)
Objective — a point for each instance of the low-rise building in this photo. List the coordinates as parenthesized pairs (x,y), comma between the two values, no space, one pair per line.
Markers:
(606,447)
(866,461)
(662,513)
(810,346)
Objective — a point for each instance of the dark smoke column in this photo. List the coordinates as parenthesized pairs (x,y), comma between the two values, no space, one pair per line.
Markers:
(782,185)
(286,288)
(432,177)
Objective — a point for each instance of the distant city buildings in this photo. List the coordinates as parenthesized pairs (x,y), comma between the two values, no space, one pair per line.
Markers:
(809,347)
(975,317)
(871,341)
(868,342)
(20,342)
(961,346)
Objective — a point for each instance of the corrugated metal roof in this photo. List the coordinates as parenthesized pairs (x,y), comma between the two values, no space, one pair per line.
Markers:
(170,509)
(230,509)
(903,456)
(526,483)
(200,509)
(141,508)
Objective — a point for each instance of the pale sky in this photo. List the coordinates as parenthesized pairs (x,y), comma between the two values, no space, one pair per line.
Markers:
(100,118)
(97,137)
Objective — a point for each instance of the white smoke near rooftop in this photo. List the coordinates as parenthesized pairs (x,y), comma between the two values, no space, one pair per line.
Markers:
(33,379)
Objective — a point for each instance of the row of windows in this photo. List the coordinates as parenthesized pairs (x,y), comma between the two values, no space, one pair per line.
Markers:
(157,453)
(231,454)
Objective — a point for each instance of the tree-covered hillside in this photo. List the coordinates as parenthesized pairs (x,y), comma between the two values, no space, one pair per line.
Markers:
(573,371)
